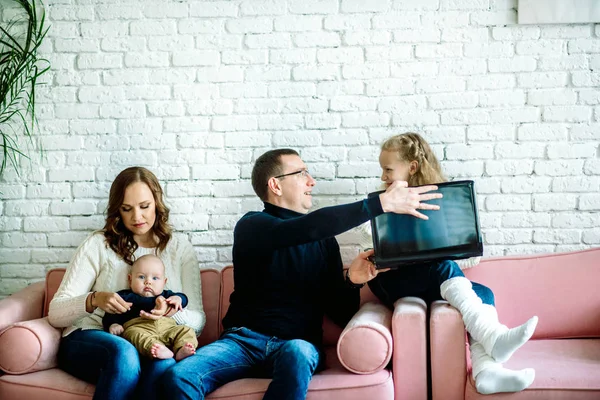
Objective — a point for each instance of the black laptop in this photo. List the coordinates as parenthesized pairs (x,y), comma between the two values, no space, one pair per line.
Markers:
(450,233)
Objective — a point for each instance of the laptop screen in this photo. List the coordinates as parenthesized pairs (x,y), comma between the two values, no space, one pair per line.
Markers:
(450,233)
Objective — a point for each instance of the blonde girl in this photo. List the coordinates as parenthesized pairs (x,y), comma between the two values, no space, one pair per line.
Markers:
(408,157)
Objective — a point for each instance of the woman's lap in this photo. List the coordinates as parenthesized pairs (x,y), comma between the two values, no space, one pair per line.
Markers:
(111,363)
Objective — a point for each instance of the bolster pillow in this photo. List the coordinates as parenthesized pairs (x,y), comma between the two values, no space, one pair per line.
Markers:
(365,345)
(29,346)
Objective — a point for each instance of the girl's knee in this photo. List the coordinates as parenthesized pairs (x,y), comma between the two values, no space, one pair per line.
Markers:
(446,270)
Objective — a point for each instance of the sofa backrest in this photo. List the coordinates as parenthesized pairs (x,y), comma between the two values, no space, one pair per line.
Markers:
(561,289)
(211,294)
(53,279)
(217,286)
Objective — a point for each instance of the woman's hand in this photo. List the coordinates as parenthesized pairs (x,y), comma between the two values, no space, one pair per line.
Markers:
(110,302)
(363,270)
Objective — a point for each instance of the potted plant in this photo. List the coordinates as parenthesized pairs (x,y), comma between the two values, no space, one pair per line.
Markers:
(20,70)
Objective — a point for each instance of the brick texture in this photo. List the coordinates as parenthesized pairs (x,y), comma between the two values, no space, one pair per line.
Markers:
(197,90)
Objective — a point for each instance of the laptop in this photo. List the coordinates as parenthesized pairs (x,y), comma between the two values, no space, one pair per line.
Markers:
(450,233)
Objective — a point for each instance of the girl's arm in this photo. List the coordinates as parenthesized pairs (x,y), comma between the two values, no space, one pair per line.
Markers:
(69,302)
(193,315)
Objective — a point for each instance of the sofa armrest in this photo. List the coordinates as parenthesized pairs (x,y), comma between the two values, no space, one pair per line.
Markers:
(24,305)
(447,339)
(365,345)
(409,363)
(29,346)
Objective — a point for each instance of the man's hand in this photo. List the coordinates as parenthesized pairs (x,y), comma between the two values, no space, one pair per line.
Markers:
(110,302)
(362,270)
(401,199)
(116,329)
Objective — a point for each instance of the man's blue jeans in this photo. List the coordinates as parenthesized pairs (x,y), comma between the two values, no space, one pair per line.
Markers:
(242,353)
(422,281)
(112,364)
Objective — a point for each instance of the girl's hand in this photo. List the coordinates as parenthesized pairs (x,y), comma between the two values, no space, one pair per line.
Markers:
(110,302)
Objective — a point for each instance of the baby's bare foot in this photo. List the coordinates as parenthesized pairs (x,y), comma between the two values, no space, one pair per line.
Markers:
(185,351)
(160,351)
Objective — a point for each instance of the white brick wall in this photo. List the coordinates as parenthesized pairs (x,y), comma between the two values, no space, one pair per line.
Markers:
(196,90)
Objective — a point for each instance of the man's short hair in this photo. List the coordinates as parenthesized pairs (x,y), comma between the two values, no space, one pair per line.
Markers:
(266,166)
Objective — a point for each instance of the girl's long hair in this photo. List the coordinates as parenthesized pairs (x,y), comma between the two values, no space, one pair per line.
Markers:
(412,147)
(117,236)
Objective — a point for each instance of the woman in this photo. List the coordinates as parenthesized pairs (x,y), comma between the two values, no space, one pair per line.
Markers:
(136,224)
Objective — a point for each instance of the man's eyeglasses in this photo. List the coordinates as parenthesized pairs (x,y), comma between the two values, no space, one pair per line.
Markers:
(303,173)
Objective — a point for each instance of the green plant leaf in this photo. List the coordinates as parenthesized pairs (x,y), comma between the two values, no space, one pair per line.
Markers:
(20,70)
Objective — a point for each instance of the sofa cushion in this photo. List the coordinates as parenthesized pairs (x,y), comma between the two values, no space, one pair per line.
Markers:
(51,384)
(335,382)
(29,346)
(564,369)
(365,345)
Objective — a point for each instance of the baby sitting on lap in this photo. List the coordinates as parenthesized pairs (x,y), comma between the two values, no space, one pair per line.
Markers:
(152,337)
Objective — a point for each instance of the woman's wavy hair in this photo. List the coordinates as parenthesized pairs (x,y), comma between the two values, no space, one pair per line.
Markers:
(412,147)
(117,236)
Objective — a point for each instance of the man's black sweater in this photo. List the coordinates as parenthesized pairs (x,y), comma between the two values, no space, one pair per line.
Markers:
(288,270)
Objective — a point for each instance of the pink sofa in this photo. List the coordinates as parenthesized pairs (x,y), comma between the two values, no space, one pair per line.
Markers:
(564,291)
(28,346)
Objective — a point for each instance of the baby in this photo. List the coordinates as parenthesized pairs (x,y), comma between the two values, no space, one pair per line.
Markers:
(152,337)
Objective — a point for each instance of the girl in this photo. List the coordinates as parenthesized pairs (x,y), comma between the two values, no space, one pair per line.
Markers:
(408,157)
(136,224)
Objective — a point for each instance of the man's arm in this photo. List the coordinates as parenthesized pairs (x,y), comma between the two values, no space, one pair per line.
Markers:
(268,232)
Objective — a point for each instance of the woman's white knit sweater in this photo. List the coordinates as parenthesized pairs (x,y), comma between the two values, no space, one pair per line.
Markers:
(96,267)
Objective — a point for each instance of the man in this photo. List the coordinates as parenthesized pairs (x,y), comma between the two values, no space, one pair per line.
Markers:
(287,273)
